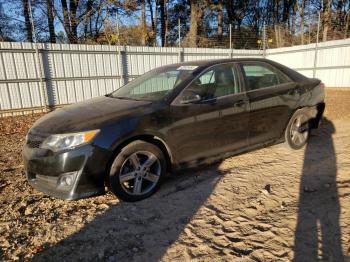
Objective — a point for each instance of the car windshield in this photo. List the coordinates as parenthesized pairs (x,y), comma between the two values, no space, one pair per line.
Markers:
(154,85)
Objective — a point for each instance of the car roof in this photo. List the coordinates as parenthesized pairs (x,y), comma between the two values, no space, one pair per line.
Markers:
(207,63)
(220,61)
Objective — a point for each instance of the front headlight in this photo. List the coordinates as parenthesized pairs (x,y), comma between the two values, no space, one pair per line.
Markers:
(68,141)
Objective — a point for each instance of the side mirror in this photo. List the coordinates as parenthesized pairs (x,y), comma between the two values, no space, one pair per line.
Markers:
(190,97)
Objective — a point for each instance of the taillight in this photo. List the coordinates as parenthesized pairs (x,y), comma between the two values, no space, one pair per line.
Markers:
(322,85)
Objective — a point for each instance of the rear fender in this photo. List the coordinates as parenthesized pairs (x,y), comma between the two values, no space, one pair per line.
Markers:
(316,120)
(314,114)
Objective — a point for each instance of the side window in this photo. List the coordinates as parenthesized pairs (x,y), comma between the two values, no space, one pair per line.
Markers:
(218,81)
(207,78)
(261,76)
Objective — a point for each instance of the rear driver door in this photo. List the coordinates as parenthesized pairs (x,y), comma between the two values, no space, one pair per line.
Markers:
(272,97)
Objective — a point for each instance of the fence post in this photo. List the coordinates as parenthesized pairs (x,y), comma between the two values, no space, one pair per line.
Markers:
(230,47)
(264,40)
(123,65)
(120,67)
(38,64)
(180,55)
(316,46)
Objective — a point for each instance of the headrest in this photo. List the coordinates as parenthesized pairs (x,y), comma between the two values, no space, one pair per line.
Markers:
(224,77)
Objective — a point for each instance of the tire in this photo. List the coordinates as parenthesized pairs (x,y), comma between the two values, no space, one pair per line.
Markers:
(137,171)
(298,130)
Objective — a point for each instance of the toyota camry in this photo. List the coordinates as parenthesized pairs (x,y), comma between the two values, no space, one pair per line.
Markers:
(173,117)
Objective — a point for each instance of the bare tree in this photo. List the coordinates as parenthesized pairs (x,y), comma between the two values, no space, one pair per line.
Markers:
(302,13)
(202,22)
(50,21)
(163,21)
(196,17)
(327,13)
(73,6)
(27,21)
(340,15)
(294,17)
(220,18)
(156,19)
(153,22)
(87,18)
(143,22)
(66,22)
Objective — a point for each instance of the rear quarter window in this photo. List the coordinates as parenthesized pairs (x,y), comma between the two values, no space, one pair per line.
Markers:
(259,75)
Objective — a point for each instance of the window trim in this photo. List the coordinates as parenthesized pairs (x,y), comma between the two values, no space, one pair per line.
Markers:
(240,81)
(267,65)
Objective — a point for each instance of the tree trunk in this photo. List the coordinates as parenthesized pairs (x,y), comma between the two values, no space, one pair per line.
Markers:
(276,11)
(276,36)
(73,6)
(162,21)
(66,23)
(27,21)
(156,22)
(87,19)
(286,11)
(50,21)
(166,22)
(143,22)
(230,11)
(152,20)
(340,15)
(294,17)
(196,15)
(327,12)
(302,13)
(220,18)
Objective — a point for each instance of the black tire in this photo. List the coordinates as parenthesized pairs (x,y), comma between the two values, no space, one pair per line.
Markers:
(297,135)
(124,167)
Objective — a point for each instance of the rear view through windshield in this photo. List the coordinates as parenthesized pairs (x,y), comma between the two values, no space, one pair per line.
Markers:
(154,85)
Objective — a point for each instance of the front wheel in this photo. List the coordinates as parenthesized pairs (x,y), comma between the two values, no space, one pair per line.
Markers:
(298,130)
(137,171)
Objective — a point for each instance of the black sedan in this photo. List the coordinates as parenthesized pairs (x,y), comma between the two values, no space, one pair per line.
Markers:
(173,117)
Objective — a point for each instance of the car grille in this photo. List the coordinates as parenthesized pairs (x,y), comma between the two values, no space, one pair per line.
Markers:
(34,141)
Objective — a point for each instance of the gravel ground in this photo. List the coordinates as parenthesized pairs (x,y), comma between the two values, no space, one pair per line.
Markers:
(272,204)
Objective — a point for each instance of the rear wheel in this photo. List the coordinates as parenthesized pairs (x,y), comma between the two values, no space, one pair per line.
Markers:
(298,130)
(137,171)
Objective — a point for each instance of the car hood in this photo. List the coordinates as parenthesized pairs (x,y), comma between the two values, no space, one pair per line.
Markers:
(88,115)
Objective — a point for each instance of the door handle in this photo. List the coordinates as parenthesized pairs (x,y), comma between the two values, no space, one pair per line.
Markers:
(239,103)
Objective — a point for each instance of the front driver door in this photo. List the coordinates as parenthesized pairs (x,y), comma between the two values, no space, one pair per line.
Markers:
(216,124)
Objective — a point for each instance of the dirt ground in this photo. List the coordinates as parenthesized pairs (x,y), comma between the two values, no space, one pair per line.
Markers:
(272,204)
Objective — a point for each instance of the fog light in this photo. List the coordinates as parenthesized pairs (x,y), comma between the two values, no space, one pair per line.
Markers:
(67,180)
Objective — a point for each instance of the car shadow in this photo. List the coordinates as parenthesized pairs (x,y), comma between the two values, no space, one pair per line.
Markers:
(319,209)
(133,231)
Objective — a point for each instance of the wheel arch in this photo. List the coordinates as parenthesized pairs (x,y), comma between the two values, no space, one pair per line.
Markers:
(150,138)
(315,122)
(314,113)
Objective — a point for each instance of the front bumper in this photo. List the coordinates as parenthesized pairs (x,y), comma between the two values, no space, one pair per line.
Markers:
(72,174)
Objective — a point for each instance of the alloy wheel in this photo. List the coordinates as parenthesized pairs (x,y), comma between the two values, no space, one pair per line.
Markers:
(299,130)
(140,173)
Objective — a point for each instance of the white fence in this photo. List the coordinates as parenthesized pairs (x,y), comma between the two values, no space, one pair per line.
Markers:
(329,61)
(62,74)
